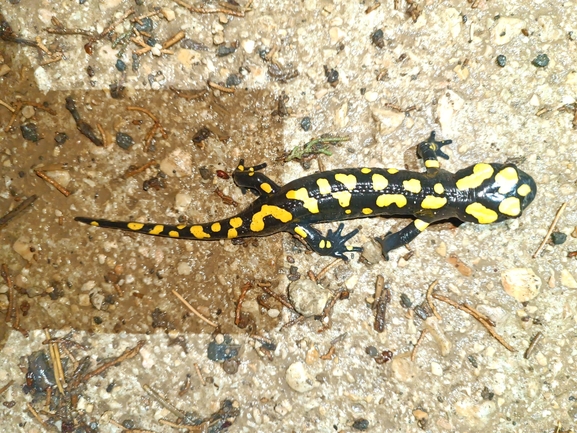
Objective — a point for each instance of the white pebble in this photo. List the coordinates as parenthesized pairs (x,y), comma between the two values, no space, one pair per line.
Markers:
(298,378)
(436,368)
(184,268)
(521,283)
(568,280)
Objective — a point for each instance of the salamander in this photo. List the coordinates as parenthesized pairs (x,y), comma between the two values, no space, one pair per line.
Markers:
(483,193)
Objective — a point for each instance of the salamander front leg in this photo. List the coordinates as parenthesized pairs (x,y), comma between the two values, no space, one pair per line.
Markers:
(392,241)
(430,151)
(333,244)
(248,178)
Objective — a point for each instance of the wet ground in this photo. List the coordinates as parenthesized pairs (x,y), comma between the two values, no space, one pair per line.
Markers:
(239,84)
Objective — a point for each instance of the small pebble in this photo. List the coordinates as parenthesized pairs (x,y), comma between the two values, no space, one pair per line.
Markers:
(540,61)
(120,65)
(306,123)
(377,38)
(60,138)
(123,140)
(406,301)
(146,25)
(224,51)
(308,298)
(521,283)
(30,132)
(233,80)
(568,280)
(298,378)
(361,424)
(28,111)
(501,60)
(558,238)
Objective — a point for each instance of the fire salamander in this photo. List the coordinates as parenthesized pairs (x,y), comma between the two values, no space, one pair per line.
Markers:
(483,193)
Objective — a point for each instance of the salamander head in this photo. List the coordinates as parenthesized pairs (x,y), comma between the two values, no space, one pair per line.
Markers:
(498,192)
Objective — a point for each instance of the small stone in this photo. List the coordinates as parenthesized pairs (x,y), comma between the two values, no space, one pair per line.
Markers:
(558,238)
(308,298)
(123,140)
(506,29)
(361,424)
(521,283)
(224,51)
(248,46)
(4,304)
(84,300)
(372,252)
(449,104)
(4,69)
(28,111)
(146,26)
(336,34)
(97,300)
(501,60)
(218,38)
(24,247)
(371,96)
(377,38)
(182,200)
(183,268)
(178,163)
(61,176)
(156,52)
(306,123)
(60,138)
(436,368)
(222,351)
(540,61)
(298,378)
(273,313)
(168,14)
(312,356)
(389,120)
(233,80)
(568,280)
(120,65)
(441,249)
(30,132)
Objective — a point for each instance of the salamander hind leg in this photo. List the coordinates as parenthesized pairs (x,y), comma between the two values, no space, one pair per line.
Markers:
(430,151)
(393,241)
(333,244)
(248,178)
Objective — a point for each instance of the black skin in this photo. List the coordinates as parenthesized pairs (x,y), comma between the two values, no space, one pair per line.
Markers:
(327,196)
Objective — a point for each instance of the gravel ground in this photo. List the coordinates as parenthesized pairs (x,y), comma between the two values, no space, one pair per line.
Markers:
(498,79)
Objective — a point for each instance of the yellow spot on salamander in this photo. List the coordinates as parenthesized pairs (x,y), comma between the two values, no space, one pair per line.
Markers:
(300,231)
(367,211)
(481,172)
(181,226)
(94,223)
(344,198)
(198,232)
(302,194)
(380,182)
(134,226)
(215,227)
(507,179)
(392,170)
(421,225)
(348,211)
(365,170)
(157,229)
(235,223)
(483,214)
(173,234)
(510,206)
(322,244)
(432,202)
(329,244)
(324,186)
(523,190)
(388,199)
(348,180)
(412,185)
(266,187)
(240,168)
(439,188)
(257,223)
(432,163)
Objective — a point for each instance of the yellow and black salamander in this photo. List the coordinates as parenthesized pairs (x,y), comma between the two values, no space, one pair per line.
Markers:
(482,193)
